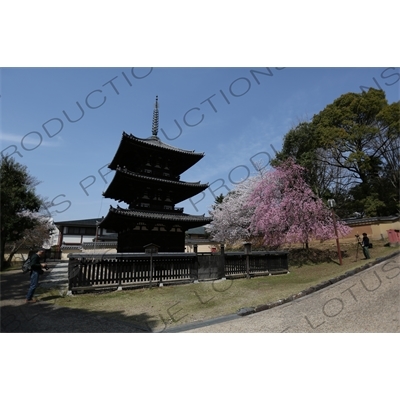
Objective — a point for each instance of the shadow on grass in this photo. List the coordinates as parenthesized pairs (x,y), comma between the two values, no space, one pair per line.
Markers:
(301,257)
(44,317)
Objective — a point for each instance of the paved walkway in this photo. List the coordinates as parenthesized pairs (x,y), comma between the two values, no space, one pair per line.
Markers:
(366,302)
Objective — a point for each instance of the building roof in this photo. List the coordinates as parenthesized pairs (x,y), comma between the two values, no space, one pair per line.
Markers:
(83,223)
(123,217)
(156,141)
(126,186)
(370,220)
(201,230)
(132,149)
(134,152)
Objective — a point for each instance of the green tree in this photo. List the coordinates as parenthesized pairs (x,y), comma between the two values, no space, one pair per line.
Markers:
(18,202)
(360,133)
(219,199)
(351,152)
(31,238)
(301,145)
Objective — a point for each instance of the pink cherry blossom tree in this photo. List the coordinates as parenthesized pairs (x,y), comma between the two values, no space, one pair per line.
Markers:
(285,209)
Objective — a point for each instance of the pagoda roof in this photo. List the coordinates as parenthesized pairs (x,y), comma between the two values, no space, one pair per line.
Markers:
(131,144)
(119,188)
(123,217)
(154,140)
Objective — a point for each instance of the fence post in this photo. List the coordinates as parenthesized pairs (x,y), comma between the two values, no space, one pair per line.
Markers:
(151,268)
(120,267)
(73,271)
(247,251)
(222,262)
(152,249)
(194,268)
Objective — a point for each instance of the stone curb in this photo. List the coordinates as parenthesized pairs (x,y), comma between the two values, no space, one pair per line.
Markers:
(252,310)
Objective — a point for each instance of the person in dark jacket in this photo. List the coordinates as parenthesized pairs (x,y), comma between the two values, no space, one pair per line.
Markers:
(365,246)
(36,270)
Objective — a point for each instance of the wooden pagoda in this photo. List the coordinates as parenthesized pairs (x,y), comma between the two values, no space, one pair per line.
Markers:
(147,179)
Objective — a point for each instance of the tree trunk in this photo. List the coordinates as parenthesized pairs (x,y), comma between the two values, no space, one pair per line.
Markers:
(10,256)
(3,261)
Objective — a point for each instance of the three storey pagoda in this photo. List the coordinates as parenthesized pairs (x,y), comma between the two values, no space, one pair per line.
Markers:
(147,179)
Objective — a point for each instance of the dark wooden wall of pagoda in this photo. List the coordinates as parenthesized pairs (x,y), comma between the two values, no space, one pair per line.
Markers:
(134,241)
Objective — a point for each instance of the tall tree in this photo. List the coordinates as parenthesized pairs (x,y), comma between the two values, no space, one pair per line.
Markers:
(301,145)
(32,238)
(18,201)
(351,152)
(286,210)
(360,134)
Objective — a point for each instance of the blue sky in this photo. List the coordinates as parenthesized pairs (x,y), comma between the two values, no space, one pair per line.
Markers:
(236,116)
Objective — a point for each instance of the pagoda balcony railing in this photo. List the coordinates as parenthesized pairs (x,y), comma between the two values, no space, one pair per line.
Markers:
(162,208)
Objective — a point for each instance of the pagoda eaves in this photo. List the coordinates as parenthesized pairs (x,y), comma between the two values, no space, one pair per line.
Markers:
(133,152)
(130,186)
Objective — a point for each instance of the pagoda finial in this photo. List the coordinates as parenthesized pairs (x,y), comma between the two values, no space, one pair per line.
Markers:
(154,129)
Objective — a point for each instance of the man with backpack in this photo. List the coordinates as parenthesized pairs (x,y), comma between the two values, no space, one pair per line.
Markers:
(36,270)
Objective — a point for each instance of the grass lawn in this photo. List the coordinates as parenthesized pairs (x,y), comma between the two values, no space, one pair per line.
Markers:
(158,308)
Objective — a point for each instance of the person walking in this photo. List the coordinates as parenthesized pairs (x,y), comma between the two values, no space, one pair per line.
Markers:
(365,246)
(36,270)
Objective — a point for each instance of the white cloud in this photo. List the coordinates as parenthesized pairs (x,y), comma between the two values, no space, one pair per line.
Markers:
(34,139)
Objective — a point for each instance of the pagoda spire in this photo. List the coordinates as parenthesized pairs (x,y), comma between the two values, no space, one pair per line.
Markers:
(154,129)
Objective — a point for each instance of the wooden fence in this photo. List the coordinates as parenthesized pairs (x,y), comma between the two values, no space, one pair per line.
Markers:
(130,269)
(256,263)
(121,270)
